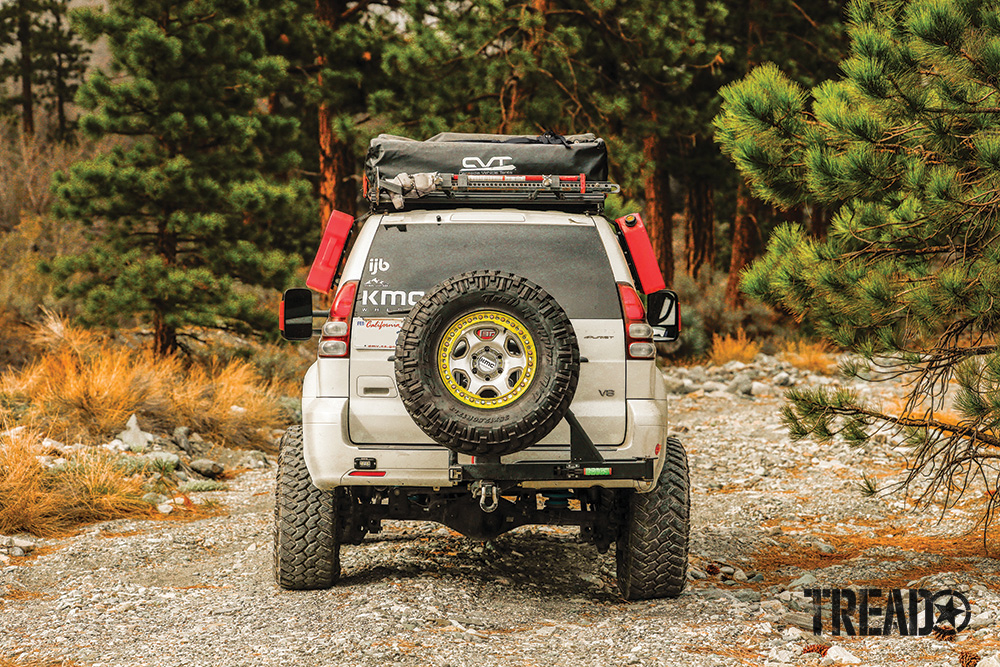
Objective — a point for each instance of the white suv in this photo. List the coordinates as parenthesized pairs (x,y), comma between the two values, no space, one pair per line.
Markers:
(486,368)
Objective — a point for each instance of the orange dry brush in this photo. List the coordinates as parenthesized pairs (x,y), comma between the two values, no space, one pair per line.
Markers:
(85,389)
(726,348)
(47,501)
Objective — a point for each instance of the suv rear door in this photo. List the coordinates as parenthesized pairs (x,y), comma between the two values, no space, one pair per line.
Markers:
(410,254)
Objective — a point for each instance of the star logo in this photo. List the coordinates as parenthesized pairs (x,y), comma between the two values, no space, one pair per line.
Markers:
(949,613)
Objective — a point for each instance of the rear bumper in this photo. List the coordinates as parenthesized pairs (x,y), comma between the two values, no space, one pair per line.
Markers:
(331,456)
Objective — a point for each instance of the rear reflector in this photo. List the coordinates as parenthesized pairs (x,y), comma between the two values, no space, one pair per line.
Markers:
(366,473)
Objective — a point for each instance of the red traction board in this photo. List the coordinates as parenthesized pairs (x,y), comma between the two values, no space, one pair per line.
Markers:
(641,250)
(324,267)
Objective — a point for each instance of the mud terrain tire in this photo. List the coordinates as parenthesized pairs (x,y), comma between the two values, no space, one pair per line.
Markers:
(652,547)
(450,418)
(306,548)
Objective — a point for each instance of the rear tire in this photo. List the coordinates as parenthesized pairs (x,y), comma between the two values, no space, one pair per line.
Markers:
(306,547)
(652,546)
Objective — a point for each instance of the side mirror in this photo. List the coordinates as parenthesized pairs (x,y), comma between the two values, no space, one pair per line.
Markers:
(295,314)
(663,313)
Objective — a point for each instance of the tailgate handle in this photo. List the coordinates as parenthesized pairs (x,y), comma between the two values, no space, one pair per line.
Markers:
(377,386)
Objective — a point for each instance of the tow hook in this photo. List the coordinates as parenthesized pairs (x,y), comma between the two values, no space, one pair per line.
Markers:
(489,499)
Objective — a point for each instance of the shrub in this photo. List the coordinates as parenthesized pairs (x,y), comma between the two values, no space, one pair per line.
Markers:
(85,389)
(90,487)
(728,348)
(814,356)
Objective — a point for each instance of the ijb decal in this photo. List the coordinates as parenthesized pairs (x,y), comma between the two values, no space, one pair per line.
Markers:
(376,264)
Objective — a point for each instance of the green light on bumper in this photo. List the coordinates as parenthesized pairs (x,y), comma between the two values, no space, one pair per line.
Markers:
(597,472)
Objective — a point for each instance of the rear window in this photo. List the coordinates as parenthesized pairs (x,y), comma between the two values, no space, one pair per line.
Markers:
(567,261)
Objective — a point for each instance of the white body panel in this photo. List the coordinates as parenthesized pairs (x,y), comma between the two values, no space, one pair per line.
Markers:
(351,408)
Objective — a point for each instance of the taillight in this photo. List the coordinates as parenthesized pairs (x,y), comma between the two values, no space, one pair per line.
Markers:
(335,339)
(638,333)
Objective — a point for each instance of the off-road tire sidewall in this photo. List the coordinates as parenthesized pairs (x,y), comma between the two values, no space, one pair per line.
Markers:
(306,548)
(652,547)
(463,428)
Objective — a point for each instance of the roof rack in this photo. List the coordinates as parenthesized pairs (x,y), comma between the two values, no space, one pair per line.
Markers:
(449,190)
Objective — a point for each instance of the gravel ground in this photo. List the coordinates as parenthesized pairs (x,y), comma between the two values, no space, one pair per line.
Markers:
(770,517)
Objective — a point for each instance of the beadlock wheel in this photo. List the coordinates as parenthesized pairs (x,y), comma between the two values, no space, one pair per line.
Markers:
(487,363)
(487,359)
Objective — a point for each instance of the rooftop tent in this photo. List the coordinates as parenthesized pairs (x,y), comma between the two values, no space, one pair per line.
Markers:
(503,154)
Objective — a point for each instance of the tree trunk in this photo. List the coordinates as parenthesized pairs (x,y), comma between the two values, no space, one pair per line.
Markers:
(659,213)
(699,227)
(746,242)
(819,222)
(164,336)
(27,56)
(337,187)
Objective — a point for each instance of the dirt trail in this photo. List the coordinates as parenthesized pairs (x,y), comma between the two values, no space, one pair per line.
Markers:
(765,509)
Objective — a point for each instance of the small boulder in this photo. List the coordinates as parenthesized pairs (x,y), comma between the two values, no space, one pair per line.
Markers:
(842,655)
(783,379)
(207,468)
(760,389)
(134,437)
(807,579)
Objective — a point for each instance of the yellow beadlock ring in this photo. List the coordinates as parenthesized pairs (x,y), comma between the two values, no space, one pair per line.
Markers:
(471,322)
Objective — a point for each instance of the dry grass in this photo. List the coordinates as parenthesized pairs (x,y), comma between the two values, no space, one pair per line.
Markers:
(90,487)
(36,662)
(816,357)
(85,388)
(726,348)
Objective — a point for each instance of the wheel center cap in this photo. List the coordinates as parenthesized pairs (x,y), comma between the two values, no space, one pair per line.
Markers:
(488,362)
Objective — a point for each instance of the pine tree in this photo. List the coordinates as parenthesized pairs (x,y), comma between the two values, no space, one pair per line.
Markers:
(907,143)
(45,57)
(188,213)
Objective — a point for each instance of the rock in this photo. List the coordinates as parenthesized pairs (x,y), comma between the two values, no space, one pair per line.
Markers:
(11,432)
(165,508)
(782,379)
(4,559)
(807,579)
(983,620)
(155,498)
(115,445)
(760,389)
(799,619)
(134,437)
(49,443)
(6,542)
(780,655)
(739,575)
(167,460)
(695,573)
(207,467)
(756,578)
(712,385)
(16,551)
(675,385)
(991,661)
(843,656)
(253,460)
(823,547)
(26,545)
(747,595)
(741,384)
(181,438)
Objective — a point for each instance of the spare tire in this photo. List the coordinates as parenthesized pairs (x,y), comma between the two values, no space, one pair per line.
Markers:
(487,363)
